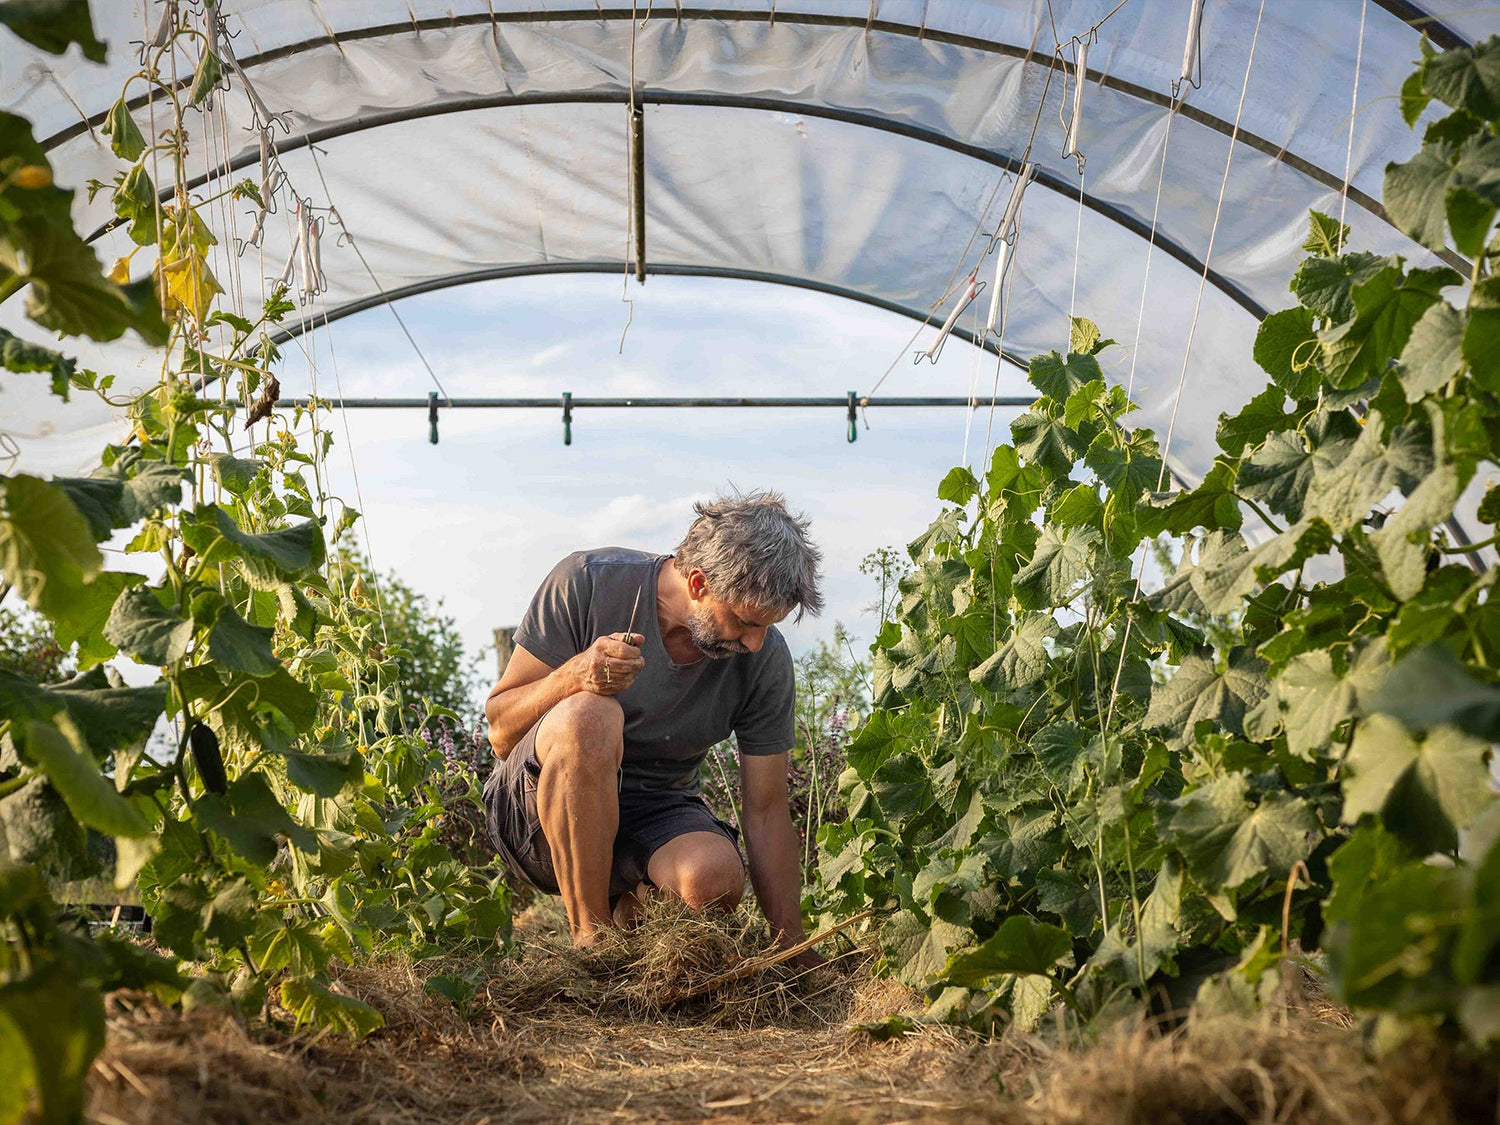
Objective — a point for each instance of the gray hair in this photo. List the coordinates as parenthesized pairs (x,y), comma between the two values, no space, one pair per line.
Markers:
(754,552)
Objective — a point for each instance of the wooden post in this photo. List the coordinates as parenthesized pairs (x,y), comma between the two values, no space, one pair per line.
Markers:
(505,644)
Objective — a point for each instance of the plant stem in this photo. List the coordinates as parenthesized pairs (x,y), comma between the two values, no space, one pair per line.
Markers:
(1261,512)
(1467,547)
(1135,906)
(18,782)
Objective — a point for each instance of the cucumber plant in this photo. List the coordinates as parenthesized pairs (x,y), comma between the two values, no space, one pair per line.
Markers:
(283,816)
(1070,790)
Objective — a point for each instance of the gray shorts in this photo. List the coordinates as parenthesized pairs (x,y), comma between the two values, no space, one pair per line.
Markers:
(648,819)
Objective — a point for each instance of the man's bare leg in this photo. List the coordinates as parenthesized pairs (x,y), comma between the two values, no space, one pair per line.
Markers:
(701,868)
(580,745)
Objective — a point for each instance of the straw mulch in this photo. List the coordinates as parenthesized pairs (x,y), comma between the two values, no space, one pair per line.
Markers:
(687,1019)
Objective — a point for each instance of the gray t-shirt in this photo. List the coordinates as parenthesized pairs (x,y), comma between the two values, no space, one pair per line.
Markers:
(673,712)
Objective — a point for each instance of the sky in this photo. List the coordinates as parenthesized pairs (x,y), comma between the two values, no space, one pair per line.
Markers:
(478,520)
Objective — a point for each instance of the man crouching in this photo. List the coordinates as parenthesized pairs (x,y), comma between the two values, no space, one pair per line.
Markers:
(628,667)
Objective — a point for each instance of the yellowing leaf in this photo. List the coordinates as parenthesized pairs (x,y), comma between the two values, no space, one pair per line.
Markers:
(183,232)
(188,284)
(32,177)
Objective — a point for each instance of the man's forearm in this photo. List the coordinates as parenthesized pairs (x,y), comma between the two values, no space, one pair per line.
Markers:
(776,869)
(512,713)
(607,667)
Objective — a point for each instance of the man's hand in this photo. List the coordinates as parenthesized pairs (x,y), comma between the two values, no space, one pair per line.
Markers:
(609,665)
(809,959)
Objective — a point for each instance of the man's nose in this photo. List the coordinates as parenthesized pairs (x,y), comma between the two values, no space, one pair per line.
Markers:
(753,638)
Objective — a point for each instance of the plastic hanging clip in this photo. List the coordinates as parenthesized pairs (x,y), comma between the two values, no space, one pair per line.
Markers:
(567,405)
(1192,52)
(432,431)
(971,290)
(1080,79)
(853,418)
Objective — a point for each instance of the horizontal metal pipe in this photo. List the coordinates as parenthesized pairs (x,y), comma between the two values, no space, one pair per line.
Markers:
(671,403)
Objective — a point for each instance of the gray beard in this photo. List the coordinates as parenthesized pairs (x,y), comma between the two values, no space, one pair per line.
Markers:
(709,645)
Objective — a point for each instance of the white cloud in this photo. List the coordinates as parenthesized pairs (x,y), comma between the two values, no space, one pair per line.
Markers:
(547,355)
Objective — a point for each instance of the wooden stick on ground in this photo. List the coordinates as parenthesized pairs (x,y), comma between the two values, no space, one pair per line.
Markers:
(761,962)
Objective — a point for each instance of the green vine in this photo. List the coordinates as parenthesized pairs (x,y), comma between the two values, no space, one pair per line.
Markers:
(292,817)
(1073,789)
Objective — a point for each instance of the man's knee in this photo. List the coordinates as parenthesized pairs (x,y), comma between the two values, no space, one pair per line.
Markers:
(713,882)
(583,733)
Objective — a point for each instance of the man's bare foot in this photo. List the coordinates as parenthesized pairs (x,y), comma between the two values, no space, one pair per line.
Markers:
(588,939)
(632,907)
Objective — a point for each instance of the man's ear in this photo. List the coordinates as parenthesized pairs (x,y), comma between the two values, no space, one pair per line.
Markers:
(697,584)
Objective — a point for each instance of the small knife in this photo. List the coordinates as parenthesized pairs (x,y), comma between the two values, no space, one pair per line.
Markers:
(630,632)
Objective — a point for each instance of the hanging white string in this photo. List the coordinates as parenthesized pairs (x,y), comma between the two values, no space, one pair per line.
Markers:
(1213,234)
(359,496)
(1072,147)
(224,263)
(978,226)
(629,190)
(989,432)
(316,306)
(1077,251)
(1166,450)
(1359,55)
(306,343)
(226,205)
(348,236)
(260,114)
(974,356)
(1140,320)
(302,340)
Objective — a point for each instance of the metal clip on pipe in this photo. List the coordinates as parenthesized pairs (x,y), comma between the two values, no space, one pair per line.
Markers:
(1192,51)
(432,433)
(638,193)
(567,405)
(853,419)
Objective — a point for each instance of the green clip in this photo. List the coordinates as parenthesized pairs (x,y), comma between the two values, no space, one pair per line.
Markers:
(853,419)
(432,434)
(567,417)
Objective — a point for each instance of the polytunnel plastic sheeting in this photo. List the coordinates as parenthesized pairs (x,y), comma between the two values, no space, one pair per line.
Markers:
(543,189)
(860,145)
(962,94)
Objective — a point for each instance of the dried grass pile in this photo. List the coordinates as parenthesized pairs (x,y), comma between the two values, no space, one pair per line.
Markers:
(720,970)
(431,1062)
(1301,1060)
(1294,1069)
